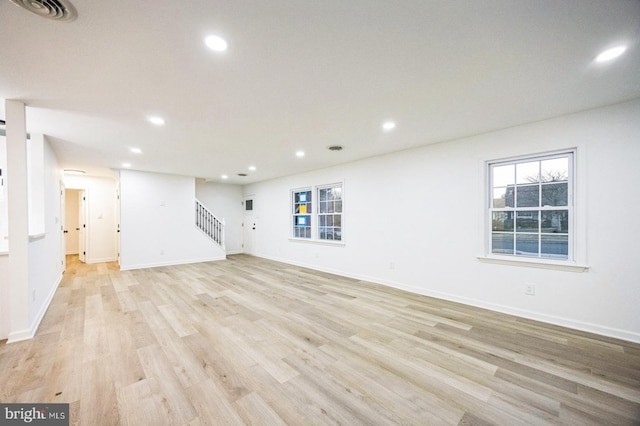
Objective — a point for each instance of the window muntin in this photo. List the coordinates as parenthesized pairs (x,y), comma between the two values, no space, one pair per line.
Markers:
(530,207)
(302,209)
(330,213)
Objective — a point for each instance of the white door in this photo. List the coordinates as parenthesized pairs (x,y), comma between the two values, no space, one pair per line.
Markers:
(72,221)
(249,226)
(63,224)
(82,227)
(118,222)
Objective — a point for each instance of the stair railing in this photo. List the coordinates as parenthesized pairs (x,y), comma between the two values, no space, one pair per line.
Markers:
(208,223)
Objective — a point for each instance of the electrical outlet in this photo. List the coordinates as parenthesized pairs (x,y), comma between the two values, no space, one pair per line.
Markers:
(530,289)
(392,265)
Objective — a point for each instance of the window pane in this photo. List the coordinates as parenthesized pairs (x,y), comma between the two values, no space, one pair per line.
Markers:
(323,195)
(502,243)
(555,170)
(337,220)
(528,172)
(338,206)
(501,199)
(554,194)
(555,221)
(555,246)
(322,233)
(502,221)
(527,196)
(503,175)
(527,221)
(527,244)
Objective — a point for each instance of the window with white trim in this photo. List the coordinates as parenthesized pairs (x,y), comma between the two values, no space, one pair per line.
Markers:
(317,213)
(302,209)
(330,213)
(531,207)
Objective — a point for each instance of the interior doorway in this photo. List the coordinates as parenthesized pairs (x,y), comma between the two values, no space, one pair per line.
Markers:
(75,224)
(249,226)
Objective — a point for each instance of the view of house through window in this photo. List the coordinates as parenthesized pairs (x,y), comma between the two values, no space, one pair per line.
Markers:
(317,213)
(330,213)
(531,206)
(302,209)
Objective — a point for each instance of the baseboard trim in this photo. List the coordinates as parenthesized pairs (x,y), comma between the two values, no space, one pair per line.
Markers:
(103,260)
(26,334)
(171,263)
(536,316)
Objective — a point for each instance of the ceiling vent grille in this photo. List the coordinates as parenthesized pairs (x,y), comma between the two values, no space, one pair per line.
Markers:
(56,10)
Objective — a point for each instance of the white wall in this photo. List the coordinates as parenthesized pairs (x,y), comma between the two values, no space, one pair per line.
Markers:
(4,297)
(424,211)
(225,202)
(157,222)
(100,193)
(36,183)
(4,243)
(4,214)
(45,253)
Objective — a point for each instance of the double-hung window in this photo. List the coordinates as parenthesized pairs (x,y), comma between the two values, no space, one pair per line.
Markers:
(302,209)
(330,213)
(317,213)
(530,207)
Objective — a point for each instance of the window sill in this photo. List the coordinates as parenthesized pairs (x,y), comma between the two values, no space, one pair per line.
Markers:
(322,242)
(535,263)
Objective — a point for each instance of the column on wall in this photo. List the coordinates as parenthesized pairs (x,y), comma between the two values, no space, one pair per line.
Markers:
(18,214)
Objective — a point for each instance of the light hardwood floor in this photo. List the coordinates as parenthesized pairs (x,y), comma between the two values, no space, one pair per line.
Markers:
(251,341)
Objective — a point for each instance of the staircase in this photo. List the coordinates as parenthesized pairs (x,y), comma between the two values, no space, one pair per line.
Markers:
(209,224)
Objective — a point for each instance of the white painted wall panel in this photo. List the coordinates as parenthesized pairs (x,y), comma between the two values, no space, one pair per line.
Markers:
(424,211)
(45,253)
(157,214)
(101,216)
(225,202)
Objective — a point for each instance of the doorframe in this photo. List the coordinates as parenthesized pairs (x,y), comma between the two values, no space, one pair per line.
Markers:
(63,225)
(249,221)
(83,214)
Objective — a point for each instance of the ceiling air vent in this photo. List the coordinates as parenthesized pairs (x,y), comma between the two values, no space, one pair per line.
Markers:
(335,148)
(57,10)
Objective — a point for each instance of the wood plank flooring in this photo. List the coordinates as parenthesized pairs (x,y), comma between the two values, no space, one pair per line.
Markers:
(256,342)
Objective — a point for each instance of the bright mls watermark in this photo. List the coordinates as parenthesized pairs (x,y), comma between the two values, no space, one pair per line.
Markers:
(34,414)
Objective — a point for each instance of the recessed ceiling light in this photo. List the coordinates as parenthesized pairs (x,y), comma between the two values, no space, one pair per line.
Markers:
(610,54)
(135,150)
(126,165)
(224,177)
(216,43)
(252,168)
(300,154)
(158,121)
(388,125)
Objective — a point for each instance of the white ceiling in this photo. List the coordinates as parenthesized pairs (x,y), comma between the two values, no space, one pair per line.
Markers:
(303,75)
